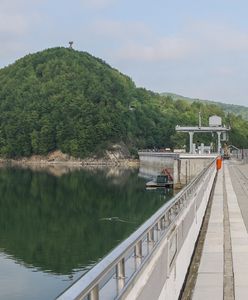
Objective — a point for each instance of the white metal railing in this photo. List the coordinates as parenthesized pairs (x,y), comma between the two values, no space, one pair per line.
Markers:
(240,154)
(114,273)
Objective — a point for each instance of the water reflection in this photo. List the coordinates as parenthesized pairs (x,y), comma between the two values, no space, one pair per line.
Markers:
(62,225)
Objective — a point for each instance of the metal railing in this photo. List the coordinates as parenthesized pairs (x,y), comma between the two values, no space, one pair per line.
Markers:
(113,274)
(240,154)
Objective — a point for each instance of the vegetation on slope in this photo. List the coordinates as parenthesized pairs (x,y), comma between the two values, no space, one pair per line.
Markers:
(69,100)
(237,110)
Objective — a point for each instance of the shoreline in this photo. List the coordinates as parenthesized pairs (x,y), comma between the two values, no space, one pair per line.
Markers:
(61,167)
(57,158)
(72,163)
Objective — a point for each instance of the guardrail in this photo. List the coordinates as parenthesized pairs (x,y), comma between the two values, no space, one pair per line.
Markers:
(240,154)
(113,274)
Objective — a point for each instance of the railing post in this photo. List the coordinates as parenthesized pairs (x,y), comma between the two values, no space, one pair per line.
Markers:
(163,226)
(172,213)
(181,203)
(176,209)
(150,239)
(185,199)
(120,275)
(150,235)
(94,293)
(138,254)
(167,219)
(160,224)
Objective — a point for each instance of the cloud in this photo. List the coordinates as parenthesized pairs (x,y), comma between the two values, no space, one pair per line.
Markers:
(135,41)
(13,6)
(17,19)
(16,16)
(197,40)
(120,30)
(224,71)
(219,37)
(97,4)
(13,24)
(10,48)
(163,49)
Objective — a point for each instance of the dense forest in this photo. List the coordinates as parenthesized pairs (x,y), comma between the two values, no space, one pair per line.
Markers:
(71,101)
(228,108)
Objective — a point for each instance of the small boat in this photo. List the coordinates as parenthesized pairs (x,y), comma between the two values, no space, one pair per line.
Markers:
(160,181)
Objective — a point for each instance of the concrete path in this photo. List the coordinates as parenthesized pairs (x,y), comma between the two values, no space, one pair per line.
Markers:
(209,283)
(223,270)
(238,206)
(239,178)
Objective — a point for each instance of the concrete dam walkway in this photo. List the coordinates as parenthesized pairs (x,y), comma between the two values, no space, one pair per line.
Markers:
(208,219)
(222,270)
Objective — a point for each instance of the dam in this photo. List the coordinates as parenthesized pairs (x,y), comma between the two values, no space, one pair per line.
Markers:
(194,247)
(157,260)
(153,262)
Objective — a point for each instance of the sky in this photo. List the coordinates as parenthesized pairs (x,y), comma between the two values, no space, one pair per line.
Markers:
(193,48)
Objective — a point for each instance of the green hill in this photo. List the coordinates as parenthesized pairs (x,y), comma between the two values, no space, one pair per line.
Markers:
(228,108)
(71,101)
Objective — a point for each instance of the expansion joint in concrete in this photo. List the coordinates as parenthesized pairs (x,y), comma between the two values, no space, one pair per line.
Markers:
(190,281)
(228,280)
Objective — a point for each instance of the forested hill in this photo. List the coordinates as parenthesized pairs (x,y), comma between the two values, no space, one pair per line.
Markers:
(228,108)
(69,100)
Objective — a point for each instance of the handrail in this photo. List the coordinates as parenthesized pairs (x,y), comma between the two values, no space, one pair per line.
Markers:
(89,285)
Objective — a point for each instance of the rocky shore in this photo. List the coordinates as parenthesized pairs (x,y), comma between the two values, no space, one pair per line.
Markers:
(111,158)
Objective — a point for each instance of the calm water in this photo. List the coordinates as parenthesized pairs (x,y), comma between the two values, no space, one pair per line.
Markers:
(54,228)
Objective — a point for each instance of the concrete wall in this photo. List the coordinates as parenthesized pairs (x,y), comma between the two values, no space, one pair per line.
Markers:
(153,163)
(164,273)
(189,166)
(183,167)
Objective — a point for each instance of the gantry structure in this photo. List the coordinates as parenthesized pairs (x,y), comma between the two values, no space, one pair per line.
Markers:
(215,126)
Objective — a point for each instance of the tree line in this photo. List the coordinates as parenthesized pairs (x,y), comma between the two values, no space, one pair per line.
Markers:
(71,101)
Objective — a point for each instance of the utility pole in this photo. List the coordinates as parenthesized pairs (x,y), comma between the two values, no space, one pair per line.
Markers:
(200,119)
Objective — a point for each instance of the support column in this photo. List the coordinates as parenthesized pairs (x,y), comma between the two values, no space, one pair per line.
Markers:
(191,134)
(219,144)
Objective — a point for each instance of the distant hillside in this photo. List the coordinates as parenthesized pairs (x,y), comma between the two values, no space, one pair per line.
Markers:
(71,101)
(228,108)
(179,97)
(67,100)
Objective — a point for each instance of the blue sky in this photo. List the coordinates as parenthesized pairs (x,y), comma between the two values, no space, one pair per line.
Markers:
(194,48)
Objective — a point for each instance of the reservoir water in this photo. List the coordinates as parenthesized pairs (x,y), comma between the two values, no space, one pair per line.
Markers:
(55,224)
